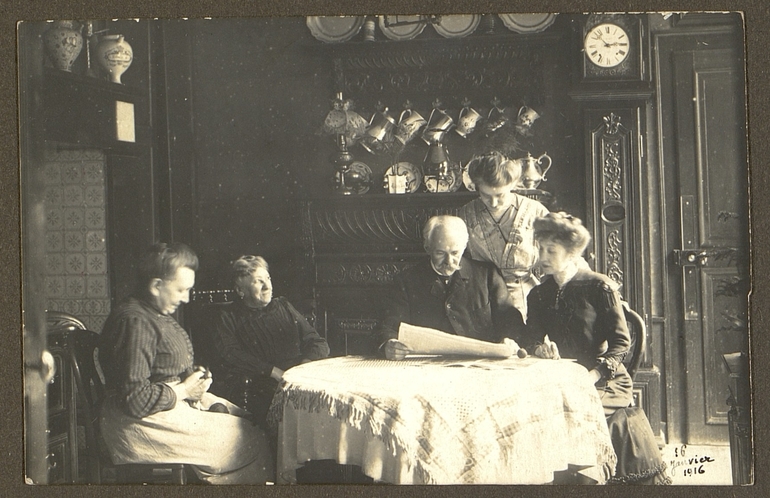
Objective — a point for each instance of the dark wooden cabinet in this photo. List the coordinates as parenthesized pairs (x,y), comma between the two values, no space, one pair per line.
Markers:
(354,247)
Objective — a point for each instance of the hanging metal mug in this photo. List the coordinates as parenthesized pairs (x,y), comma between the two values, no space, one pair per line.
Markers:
(527,116)
(409,123)
(380,125)
(435,132)
(466,121)
(496,119)
(532,171)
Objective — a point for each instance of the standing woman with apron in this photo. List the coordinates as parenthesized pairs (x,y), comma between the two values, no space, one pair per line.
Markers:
(500,224)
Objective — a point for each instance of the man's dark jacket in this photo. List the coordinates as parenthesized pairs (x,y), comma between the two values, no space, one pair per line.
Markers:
(475,304)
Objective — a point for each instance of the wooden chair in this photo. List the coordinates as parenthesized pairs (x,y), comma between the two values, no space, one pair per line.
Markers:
(70,340)
(78,347)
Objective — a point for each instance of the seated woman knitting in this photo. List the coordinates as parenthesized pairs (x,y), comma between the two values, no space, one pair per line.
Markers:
(258,337)
(577,313)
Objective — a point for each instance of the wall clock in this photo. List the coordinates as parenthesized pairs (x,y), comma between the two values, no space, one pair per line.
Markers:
(606,45)
(612,47)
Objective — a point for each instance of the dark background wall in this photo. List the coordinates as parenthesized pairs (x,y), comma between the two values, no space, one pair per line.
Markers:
(260,89)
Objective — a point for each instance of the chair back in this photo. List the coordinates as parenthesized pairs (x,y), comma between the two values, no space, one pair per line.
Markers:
(77,345)
(638,331)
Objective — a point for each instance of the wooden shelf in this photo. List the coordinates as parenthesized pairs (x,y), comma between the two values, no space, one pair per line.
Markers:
(82,110)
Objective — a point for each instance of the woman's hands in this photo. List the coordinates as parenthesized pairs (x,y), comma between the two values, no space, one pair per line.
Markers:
(547,350)
(194,385)
(395,350)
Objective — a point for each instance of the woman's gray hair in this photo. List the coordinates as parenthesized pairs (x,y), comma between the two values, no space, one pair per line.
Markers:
(247,264)
(449,223)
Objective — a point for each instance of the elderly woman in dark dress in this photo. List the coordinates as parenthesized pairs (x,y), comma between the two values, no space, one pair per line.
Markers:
(577,313)
(258,337)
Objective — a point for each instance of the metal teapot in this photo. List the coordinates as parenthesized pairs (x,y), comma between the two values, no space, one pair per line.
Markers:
(532,171)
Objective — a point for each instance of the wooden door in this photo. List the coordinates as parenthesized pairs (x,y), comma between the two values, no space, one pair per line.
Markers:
(707,228)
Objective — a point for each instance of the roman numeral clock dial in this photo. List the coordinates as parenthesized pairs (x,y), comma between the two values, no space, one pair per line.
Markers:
(606,45)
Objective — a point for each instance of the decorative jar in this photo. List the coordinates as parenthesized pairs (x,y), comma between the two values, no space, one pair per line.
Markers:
(114,54)
(63,43)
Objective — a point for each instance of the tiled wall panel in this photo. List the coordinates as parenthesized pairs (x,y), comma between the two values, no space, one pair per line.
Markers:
(76,253)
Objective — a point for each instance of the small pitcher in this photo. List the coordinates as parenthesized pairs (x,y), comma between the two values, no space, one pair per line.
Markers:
(532,171)
(466,121)
(436,131)
(409,123)
(379,125)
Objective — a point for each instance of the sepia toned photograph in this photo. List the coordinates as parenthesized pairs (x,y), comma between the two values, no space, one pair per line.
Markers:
(488,248)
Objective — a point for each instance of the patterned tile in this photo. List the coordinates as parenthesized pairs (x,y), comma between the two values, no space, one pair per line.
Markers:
(74,240)
(94,196)
(54,286)
(54,264)
(54,241)
(93,173)
(93,307)
(54,304)
(75,264)
(95,241)
(96,323)
(95,218)
(73,307)
(73,195)
(52,174)
(96,264)
(72,174)
(97,287)
(53,196)
(54,219)
(74,218)
(75,286)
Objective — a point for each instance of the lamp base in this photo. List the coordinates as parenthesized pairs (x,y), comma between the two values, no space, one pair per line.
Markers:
(355,178)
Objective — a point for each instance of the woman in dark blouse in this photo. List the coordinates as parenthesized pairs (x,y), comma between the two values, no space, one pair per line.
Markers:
(577,313)
(258,338)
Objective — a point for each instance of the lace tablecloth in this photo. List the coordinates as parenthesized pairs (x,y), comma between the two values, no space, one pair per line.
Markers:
(441,420)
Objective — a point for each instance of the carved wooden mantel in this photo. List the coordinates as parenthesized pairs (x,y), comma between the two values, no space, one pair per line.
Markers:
(368,239)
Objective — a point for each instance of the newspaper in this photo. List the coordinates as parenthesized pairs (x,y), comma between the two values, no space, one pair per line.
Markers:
(424,340)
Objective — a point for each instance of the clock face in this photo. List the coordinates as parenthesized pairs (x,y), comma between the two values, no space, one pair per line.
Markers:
(606,45)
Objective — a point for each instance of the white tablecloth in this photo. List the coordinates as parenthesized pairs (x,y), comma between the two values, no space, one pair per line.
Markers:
(442,421)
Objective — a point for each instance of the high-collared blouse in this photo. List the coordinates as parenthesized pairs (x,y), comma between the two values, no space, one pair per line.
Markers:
(584,318)
(252,341)
(140,350)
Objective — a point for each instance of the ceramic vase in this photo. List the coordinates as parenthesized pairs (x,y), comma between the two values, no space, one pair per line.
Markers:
(63,43)
(114,55)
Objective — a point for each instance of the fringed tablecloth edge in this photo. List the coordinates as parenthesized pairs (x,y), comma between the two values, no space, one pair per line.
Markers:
(313,401)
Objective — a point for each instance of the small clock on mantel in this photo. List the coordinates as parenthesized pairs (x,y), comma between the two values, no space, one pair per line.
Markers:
(612,48)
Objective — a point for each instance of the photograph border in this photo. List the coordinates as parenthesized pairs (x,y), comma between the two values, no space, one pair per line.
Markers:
(757,20)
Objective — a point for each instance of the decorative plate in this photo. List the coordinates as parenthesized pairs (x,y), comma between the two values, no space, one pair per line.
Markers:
(451,184)
(413,175)
(457,26)
(399,33)
(333,29)
(527,23)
